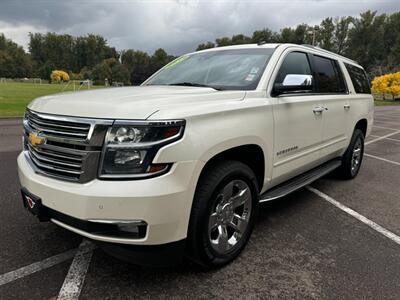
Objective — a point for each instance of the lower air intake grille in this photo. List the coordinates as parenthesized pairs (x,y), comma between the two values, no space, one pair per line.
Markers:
(57,163)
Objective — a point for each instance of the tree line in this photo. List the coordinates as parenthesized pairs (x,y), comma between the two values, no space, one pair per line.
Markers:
(372,40)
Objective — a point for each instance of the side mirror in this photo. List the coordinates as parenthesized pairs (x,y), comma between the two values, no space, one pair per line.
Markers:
(294,83)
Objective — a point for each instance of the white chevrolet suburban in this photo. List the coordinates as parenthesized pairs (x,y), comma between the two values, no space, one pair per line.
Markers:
(177,167)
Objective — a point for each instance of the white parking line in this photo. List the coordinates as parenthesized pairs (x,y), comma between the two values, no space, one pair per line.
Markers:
(36,267)
(73,283)
(389,139)
(382,159)
(382,137)
(385,117)
(386,123)
(385,127)
(395,238)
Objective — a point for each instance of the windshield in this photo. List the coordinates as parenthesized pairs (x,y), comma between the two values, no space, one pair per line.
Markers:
(239,69)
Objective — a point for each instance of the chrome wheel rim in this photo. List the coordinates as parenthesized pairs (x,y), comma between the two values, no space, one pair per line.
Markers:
(230,216)
(356,157)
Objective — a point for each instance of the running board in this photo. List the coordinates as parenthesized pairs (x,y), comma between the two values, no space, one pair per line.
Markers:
(300,181)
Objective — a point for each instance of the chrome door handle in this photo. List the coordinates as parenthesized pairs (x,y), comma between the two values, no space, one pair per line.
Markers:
(347,106)
(319,109)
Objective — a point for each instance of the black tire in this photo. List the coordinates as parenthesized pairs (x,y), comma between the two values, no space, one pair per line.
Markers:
(210,192)
(348,170)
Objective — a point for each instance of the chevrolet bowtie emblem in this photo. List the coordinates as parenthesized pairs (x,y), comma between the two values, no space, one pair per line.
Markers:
(35,139)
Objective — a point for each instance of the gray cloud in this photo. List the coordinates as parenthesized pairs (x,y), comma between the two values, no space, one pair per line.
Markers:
(177,26)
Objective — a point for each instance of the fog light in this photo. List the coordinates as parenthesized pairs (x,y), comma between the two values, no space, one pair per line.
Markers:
(131,228)
(134,229)
(137,229)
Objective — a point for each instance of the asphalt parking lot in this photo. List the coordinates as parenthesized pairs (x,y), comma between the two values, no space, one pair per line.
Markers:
(303,245)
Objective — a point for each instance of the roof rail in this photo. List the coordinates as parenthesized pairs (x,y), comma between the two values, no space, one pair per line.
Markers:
(329,52)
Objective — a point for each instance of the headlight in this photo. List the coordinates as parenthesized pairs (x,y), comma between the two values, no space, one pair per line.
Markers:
(130,147)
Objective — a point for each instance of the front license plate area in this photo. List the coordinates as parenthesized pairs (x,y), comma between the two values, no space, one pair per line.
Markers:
(34,205)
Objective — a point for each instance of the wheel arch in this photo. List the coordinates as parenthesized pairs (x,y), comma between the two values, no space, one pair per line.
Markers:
(250,154)
(362,125)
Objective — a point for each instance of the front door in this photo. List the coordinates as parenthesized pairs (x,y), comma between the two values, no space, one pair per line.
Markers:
(298,122)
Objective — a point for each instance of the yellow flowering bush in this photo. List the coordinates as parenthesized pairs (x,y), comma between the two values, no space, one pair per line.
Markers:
(59,76)
(387,84)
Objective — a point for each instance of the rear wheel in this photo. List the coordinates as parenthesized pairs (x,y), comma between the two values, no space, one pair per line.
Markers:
(223,213)
(351,160)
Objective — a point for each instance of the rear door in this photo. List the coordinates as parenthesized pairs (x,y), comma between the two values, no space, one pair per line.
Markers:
(362,103)
(334,98)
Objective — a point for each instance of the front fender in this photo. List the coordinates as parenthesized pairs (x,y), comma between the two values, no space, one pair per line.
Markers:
(208,135)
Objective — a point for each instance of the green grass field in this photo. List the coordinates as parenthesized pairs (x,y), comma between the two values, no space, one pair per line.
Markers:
(15,96)
(386,103)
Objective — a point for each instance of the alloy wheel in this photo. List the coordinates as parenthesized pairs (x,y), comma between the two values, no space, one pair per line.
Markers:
(356,156)
(230,216)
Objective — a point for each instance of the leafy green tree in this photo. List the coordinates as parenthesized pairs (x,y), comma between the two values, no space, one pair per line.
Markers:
(366,39)
(300,35)
(207,45)
(52,49)
(264,35)
(286,35)
(326,34)
(158,60)
(91,50)
(341,33)
(14,62)
(112,70)
(371,39)
(85,73)
(224,41)
(391,42)
(120,73)
(240,39)
(62,51)
(137,63)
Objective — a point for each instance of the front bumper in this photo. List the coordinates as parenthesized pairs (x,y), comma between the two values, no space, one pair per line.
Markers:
(164,202)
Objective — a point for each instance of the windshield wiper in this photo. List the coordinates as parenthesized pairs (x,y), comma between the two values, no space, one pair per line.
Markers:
(196,85)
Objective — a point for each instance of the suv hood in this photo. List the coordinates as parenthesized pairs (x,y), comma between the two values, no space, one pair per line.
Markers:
(131,102)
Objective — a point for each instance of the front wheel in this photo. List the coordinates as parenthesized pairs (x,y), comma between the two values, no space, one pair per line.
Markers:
(351,160)
(223,213)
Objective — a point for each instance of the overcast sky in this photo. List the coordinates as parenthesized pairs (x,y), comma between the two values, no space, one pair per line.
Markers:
(177,26)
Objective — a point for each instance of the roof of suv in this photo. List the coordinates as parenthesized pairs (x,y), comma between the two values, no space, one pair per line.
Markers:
(286,45)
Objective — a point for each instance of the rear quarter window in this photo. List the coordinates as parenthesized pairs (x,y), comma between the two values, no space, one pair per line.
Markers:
(359,79)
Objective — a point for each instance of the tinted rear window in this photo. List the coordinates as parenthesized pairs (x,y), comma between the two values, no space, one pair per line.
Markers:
(330,78)
(359,79)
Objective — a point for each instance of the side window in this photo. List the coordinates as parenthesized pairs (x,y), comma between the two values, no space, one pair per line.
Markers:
(359,79)
(330,78)
(294,63)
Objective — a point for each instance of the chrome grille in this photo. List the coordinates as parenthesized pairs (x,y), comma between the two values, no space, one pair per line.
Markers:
(58,127)
(57,162)
(72,146)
